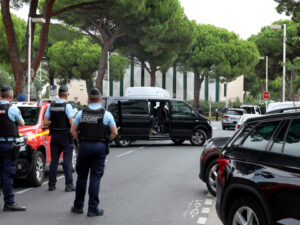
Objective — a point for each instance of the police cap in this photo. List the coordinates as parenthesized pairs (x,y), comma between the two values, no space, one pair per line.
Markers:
(5,87)
(63,88)
(94,91)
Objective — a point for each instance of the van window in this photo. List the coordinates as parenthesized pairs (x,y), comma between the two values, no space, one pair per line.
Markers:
(113,106)
(292,143)
(181,109)
(134,107)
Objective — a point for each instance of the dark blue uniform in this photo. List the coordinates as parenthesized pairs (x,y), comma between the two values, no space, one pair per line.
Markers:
(61,141)
(9,115)
(92,153)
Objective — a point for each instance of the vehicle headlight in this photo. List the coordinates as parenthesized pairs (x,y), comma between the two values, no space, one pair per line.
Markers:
(208,121)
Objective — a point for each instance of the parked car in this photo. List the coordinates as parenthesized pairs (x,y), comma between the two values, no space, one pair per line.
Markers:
(259,172)
(243,119)
(231,117)
(181,122)
(208,162)
(251,109)
(36,155)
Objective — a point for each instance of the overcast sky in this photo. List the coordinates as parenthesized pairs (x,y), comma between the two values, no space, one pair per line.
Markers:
(244,17)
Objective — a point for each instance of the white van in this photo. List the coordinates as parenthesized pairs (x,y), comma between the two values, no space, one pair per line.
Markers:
(148,92)
(282,105)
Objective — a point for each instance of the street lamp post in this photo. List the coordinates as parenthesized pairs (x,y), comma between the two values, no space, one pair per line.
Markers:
(30,21)
(278,27)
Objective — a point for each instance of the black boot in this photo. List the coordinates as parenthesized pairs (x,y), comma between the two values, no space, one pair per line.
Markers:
(99,212)
(13,207)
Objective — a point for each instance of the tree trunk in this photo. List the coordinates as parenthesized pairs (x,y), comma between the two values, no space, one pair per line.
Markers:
(51,76)
(152,75)
(102,66)
(261,88)
(88,88)
(289,94)
(198,82)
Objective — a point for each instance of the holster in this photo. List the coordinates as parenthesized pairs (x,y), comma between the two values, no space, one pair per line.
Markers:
(14,151)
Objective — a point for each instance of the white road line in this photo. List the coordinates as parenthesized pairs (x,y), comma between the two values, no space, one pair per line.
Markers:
(201,220)
(141,147)
(23,191)
(125,153)
(106,160)
(205,210)
(208,202)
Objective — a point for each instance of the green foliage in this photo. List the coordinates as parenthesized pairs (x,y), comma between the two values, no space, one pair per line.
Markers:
(219,53)
(20,30)
(6,76)
(117,65)
(77,59)
(290,7)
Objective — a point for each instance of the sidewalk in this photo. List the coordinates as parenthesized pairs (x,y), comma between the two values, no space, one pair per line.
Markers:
(213,218)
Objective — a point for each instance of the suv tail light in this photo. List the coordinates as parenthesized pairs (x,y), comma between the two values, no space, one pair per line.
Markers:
(225,117)
(238,126)
(222,163)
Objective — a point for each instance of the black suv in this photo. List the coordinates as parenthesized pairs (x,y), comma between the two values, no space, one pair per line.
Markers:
(180,123)
(259,172)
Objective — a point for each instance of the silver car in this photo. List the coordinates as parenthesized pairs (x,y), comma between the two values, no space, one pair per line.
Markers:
(231,117)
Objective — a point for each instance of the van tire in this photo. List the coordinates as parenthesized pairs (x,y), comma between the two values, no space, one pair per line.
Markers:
(123,142)
(37,175)
(198,138)
(178,141)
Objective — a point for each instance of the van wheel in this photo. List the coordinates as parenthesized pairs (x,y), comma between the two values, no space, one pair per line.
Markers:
(122,142)
(74,158)
(211,175)
(36,177)
(178,141)
(246,210)
(198,138)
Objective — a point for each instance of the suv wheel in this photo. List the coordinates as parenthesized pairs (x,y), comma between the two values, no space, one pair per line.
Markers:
(122,142)
(178,141)
(36,177)
(198,138)
(246,211)
(74,158)
(211,176)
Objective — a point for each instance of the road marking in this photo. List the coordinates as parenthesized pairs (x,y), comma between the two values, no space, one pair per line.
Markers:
(23,191)
(205,210)
(141,147)
(215,128)
(201,220)
(106,160)
(125,153)
(208,202)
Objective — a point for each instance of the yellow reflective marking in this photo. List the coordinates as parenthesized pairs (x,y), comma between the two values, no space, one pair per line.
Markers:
(38,135)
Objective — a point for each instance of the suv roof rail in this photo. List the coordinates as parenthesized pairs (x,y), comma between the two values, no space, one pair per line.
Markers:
(283,110)
(44,100)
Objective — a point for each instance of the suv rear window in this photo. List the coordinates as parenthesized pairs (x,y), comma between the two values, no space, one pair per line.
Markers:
(260,135)
(292,143)
(234,112)
(30,115)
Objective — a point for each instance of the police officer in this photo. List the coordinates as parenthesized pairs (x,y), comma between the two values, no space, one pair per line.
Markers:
(59,116)
(10,118)
(92,126)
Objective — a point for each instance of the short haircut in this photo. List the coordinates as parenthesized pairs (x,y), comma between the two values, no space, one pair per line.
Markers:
(94,98)
(6,94)
(62,94)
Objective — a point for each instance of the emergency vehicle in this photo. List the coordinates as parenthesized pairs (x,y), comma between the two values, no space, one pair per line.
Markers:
(34,158)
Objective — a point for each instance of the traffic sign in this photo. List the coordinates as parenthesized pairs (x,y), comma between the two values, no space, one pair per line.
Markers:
(266,95)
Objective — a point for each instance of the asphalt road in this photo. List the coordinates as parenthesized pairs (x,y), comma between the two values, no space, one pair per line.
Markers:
(149,183)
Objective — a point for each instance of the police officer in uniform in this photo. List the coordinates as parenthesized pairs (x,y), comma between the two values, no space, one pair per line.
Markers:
(10,118)
(59,116)
(92,126)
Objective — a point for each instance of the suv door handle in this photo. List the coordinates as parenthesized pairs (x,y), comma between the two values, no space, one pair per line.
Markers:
(267,175)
